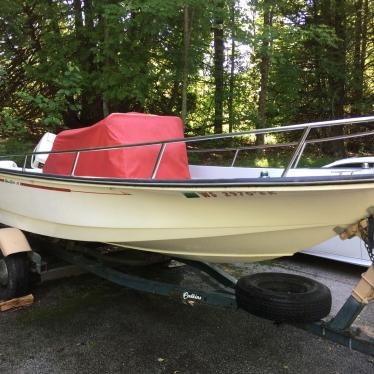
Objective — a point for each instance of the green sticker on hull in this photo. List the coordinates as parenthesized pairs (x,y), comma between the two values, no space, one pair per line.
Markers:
(191,195)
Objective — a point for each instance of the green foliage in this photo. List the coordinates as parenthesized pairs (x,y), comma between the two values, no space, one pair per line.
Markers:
(322,35)
(63,63)
(11,124)
(17,147)
(52,107)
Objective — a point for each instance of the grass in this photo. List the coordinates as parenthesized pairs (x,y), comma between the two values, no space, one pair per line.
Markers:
(15,147)
(263,160)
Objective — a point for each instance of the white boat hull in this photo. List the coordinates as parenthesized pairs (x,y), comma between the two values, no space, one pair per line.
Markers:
(216,224)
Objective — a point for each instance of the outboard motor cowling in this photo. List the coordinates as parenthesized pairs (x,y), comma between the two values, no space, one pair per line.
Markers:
(45,145)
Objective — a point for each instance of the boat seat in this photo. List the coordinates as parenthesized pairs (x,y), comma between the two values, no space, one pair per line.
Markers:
(11,165)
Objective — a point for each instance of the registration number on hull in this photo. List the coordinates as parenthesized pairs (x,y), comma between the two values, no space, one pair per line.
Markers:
(191,195)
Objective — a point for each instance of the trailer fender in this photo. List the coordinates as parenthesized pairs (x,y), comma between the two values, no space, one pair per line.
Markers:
(13,241)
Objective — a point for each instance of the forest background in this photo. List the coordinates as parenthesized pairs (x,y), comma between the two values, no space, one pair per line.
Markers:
(222,65)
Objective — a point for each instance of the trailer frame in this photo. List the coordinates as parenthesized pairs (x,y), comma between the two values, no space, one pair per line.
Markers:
(338,329)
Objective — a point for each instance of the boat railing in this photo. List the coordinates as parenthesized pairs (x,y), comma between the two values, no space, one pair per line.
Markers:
(295,158)
(281,145)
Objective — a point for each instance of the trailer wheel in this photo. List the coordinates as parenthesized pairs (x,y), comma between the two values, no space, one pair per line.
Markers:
(283,297)
(14,276)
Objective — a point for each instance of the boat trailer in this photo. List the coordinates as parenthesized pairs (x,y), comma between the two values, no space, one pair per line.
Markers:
(338,329)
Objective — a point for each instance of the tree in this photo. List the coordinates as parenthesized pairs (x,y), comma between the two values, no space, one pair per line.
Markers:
(218,70)
(186,46)
(264,66)
(70,63)
(230,104)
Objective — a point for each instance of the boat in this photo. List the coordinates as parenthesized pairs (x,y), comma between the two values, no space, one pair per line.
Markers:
(163,204)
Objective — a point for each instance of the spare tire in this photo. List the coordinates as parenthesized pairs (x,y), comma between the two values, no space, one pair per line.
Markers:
(283,297)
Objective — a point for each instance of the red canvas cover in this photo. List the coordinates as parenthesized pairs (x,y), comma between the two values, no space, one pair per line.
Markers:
(122,128)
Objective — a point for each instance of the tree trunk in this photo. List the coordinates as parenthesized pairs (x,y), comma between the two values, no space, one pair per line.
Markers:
(337,78)
(92,105)
(218,69)
(230,104)
(106,61)
(339,57)
(264,70)
(364,41)
(186,45)
(78,21)
(357,83)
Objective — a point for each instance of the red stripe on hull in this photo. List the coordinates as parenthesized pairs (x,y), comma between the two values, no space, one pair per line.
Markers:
(45,187)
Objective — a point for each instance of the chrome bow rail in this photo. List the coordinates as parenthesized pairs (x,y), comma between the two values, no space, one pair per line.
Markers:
(300,145)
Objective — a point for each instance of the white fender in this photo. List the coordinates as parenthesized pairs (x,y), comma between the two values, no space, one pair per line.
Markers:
(13,241)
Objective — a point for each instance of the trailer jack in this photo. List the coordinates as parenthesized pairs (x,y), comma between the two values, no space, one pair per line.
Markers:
(339,329)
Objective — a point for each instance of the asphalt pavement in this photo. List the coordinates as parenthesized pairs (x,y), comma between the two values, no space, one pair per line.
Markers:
(87,325)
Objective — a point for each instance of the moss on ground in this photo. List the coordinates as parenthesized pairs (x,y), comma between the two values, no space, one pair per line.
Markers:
(69,305)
